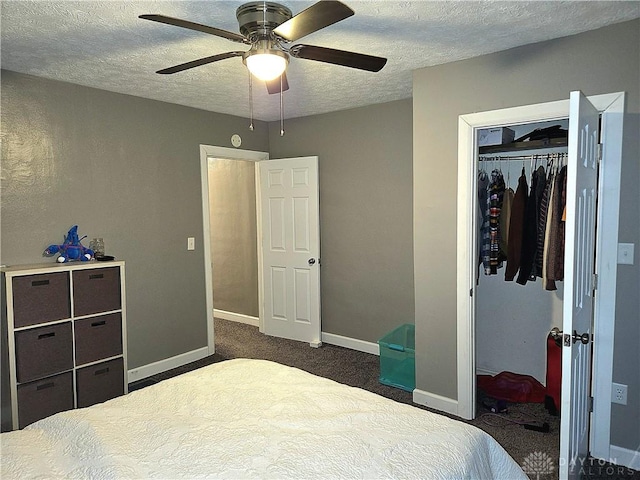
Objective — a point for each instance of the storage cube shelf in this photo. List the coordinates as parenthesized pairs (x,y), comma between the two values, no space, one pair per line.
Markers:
(398,358)
(64,336)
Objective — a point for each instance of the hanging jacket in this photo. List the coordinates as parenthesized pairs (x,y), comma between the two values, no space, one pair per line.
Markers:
(505,219)
(530,229)
(542,224)
(496,194)
(554,252)
(518,207)
(483,218)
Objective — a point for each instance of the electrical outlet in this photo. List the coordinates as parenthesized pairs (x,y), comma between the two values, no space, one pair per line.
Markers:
(625,253)
(619,393)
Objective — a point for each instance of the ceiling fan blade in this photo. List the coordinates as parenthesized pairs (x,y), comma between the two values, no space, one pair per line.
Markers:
(273,86)
(317,16)
(197,63)
(196,26)
(339,57)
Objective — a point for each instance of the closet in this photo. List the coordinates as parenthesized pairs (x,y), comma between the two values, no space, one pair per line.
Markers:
(595,155)
(515,307)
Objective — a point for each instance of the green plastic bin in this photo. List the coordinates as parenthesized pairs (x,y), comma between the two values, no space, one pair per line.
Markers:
(398,358)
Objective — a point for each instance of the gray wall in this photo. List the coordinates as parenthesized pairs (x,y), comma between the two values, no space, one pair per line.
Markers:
(123,168)
(127,169)
(234,243)
(601,61)
(625,419)
(365,158)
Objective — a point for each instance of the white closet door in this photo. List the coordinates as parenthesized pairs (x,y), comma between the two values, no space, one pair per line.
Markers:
(582,173)
(291,248)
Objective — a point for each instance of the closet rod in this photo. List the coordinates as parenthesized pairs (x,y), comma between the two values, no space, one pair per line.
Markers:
(537,156)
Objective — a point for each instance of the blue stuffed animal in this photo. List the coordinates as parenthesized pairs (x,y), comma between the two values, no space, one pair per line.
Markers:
(71,249)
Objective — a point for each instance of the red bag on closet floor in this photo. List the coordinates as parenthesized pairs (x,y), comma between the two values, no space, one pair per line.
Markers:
(512,387)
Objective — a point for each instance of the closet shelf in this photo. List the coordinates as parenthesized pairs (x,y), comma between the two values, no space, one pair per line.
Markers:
(528,145)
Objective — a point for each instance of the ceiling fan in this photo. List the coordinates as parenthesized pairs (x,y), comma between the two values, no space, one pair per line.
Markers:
(269,28)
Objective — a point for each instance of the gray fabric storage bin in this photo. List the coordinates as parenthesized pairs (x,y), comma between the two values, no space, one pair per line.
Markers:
(40,298)
(96,291)
(42,398)
(100,382)
(43,351)
(98,338)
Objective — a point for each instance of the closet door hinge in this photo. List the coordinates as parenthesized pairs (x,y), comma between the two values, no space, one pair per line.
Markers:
(471,292)
(595,282)
(599,153)
(590,404)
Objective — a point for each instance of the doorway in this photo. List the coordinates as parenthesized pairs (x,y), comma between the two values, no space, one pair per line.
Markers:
(611,107)
(233,239)
(288,253)
(207,152)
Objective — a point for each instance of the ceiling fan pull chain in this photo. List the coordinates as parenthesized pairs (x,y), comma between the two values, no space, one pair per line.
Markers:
(264,16)
(281,107)
(250,103)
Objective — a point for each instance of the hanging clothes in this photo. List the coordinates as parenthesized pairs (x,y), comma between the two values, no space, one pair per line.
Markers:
(530,228)
(554,243)
(542,222)
(518,207)
(484,239)
(505,220)
(496,195)
(547,283)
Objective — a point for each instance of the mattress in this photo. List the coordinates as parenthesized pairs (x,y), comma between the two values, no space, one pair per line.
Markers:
(253,419)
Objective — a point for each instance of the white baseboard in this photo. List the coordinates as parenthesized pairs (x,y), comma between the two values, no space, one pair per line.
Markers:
(352,343)
(167,364)
(236,317)
(161,366)
(435,401)
(626,457)
(330,338)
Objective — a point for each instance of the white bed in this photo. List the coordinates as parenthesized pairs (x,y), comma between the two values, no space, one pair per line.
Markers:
(252,419)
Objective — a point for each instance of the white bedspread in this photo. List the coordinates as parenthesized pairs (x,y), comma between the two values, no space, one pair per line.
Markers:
(252,419)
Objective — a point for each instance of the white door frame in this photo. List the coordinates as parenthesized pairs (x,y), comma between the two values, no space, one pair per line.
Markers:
(611,107)
(206,152)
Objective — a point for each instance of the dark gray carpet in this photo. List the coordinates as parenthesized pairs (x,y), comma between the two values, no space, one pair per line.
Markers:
(537,452)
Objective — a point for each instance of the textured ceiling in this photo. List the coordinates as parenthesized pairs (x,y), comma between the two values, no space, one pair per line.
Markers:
(103,44)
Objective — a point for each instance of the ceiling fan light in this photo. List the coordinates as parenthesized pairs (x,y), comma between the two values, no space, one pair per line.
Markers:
(266,65)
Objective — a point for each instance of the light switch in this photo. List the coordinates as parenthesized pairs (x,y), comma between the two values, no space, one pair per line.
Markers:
(191,243)
(625,253)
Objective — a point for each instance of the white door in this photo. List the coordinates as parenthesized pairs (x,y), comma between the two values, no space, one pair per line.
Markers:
(582,172)
(289,207)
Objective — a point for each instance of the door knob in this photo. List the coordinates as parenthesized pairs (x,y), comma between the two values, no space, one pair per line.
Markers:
(556,334)
(312,261)
(584,338)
